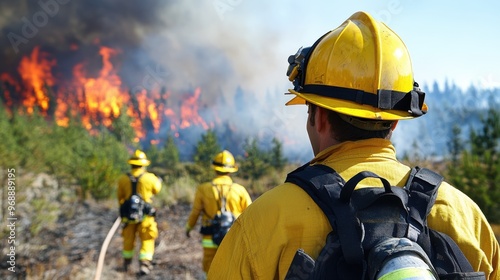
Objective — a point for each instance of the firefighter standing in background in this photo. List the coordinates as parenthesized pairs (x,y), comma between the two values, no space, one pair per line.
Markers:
(207,201)
(148,185)
(357,81)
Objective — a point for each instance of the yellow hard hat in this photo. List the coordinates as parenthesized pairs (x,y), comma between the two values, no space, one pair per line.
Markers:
(139,158)
(361,69)
(224,162)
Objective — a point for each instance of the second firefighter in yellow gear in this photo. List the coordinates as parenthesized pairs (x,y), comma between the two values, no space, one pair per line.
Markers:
(207,202)
(148,185)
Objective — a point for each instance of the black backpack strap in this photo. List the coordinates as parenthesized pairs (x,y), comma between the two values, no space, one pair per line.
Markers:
(324,185)
(457,263)
(423,185)
(134,181)
(348,189)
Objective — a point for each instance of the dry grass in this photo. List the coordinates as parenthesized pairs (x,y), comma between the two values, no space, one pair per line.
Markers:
(181,190)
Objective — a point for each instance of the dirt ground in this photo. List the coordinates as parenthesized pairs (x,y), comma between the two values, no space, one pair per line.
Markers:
(71,250)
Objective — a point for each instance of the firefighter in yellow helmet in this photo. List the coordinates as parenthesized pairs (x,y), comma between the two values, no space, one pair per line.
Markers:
(357,82)
(212,197)
(147,185)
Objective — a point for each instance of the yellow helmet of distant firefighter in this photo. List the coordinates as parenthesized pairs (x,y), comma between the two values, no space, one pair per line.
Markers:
(139,158)
(360,69)
(224,162)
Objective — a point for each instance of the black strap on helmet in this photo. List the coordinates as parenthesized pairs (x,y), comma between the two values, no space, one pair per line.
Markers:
(411,102)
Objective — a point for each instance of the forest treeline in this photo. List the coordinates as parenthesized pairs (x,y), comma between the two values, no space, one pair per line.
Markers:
(89,162)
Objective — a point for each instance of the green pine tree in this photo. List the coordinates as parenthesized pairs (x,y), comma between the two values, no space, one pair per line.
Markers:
(278,160)
(32,134)
(170,153)
(121,127)
(256,162)
(8,147)
(477,171)
(206,149)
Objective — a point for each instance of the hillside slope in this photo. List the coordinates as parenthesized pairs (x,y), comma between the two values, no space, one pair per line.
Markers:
(69,247)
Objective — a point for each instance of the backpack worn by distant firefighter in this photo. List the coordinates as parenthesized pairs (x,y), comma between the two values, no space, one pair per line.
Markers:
(222,221)
(378,233)
(134,209)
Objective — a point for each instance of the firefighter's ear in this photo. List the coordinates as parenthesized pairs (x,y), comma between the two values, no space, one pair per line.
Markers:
(321,119)
(393,125)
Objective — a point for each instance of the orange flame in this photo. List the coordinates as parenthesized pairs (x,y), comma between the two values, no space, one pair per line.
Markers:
(102,96)
(36,73)
(99,100)
(7,94)
(189,112)
(138,113)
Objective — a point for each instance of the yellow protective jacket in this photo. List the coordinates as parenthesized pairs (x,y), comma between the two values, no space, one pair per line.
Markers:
(263,241)
(207,200)
(147,186)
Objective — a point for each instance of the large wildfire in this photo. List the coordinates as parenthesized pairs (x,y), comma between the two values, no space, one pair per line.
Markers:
(96,100)
(88,61)
(171,68)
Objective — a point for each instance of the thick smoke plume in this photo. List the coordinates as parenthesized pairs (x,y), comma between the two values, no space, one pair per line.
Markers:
(58,25)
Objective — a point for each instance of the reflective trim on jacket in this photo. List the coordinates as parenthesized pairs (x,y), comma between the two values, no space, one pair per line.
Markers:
(207,242)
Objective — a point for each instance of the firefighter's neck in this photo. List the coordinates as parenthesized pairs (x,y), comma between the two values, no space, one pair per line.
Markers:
(322,129)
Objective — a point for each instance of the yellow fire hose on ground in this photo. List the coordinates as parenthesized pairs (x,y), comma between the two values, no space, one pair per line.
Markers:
(104,248)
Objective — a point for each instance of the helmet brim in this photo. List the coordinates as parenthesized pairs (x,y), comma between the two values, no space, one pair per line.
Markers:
(139,162)
(349,108)
(225,169)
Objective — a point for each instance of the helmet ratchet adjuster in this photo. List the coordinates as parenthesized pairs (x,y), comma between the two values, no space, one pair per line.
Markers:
(295,67)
